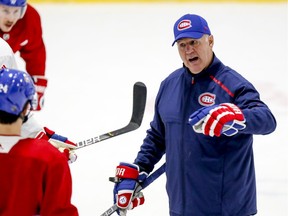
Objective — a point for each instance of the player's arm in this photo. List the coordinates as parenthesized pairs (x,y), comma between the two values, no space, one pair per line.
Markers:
(60,142)
(33,52)
(31,128)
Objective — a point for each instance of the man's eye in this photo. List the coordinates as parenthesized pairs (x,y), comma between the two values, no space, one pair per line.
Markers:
(192,43)
(182,45)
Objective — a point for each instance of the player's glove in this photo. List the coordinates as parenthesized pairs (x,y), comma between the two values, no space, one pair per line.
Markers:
(61,143)
(128,176)
(40,83)
(225,118)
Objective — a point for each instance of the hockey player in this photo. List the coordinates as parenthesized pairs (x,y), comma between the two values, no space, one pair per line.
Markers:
(35,177)
(31,128)
(7,59)
(20,26)
(205,117)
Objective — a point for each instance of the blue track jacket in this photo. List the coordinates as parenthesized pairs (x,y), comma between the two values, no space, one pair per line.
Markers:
(206,176)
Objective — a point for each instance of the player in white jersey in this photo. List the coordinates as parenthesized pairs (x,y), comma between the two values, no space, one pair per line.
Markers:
(7,59)
(31,128)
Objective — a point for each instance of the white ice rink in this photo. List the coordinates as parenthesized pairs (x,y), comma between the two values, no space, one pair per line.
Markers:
(95,53)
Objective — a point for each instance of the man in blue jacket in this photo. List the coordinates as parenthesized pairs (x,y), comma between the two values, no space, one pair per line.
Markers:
(205,117)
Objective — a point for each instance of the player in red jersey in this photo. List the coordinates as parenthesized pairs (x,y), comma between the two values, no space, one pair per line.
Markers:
(20,26)
(35,177)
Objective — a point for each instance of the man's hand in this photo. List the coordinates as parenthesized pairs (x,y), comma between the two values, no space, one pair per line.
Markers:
(225,118)
(40,83)
(61,143)
(129,176)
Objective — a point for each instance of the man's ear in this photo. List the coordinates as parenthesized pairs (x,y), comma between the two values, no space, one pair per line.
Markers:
(211,40)
(27,108)
(25,111)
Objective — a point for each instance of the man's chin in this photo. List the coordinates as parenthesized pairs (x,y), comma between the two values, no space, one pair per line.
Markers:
(6,29)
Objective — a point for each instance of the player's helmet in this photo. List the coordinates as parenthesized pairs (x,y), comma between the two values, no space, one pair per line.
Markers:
(16,88)
(14,3)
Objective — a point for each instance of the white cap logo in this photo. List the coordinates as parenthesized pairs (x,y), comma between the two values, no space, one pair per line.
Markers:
(184,24)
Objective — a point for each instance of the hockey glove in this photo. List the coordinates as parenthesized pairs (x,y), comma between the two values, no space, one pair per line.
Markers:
(40,83)
(225,118)
(61,143)
(128,176)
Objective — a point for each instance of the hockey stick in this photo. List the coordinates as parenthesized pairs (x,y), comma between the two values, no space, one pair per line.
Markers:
(139,103)
(151,178)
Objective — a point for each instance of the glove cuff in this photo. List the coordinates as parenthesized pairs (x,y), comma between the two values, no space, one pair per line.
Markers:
(126,171)
(40,83)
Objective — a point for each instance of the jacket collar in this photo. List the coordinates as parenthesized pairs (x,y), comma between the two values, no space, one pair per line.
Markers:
(212,69)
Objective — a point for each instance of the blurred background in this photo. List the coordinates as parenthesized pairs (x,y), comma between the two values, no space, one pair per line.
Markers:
(97,50)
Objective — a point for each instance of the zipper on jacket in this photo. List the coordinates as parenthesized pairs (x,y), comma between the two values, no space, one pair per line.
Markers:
(192,81)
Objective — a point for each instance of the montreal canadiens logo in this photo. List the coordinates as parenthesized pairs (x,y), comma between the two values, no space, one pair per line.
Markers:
(184,24)
(207,99)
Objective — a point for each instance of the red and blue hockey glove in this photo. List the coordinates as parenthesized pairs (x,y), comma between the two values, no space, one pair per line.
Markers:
(40,83)
(128,176)
(225,118)
(61,143)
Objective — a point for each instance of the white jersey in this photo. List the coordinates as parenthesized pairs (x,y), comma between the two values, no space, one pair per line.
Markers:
(31,128)
(7,58)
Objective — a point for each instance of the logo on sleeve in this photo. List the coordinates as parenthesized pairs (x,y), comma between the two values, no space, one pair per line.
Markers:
(207,99)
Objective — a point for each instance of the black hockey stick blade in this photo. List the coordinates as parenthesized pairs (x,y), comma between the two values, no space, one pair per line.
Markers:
(151,178)
(139,103)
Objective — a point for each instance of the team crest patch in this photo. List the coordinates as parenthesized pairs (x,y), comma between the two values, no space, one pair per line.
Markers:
(207,99)
(184,24)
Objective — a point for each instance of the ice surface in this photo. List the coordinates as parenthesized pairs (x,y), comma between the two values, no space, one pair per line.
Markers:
(95,53)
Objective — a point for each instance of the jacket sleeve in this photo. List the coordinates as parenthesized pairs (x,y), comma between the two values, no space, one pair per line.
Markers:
(259,118)
(153,147)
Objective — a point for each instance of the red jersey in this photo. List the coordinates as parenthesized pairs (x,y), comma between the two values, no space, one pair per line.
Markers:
(35,179)
(26,37)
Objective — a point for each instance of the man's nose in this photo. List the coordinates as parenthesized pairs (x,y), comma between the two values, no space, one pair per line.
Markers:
(189,48)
